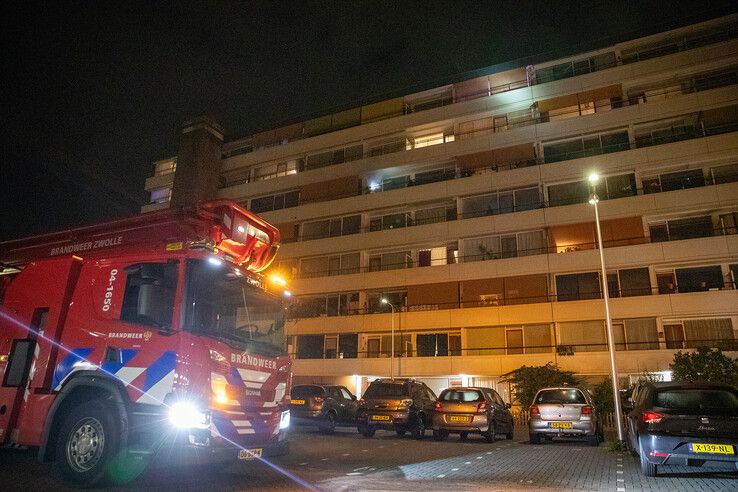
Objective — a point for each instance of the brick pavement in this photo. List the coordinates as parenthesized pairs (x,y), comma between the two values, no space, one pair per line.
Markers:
(347,461)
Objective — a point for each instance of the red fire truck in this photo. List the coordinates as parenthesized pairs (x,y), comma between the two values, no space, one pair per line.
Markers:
(148,339)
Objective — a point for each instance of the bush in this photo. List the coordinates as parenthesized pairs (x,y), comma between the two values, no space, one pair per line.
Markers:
(528,380)
(705,364)
(603,398)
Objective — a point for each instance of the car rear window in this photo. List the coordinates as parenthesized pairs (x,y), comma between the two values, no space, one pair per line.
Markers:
(306,391)
(560,396)
(697,399)
(461,396)
(386,390)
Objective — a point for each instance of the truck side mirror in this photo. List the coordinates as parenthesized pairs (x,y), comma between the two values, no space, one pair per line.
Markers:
(155,305)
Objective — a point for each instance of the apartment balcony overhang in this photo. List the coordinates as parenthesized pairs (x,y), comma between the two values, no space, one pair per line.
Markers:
(161,181)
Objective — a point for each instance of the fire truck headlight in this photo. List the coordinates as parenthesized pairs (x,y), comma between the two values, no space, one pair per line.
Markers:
(186,415)
(284,420)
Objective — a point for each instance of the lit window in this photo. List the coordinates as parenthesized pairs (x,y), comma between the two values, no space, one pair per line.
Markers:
(161,195)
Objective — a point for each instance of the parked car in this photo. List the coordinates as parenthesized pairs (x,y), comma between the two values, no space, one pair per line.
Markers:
(564,412)
(396,404)
(472,410)
(683,424)
(326,406)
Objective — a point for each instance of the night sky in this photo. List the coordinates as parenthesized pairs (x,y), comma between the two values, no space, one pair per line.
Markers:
(93,92)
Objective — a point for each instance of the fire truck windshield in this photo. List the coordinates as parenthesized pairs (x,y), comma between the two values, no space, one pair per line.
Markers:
(223,305)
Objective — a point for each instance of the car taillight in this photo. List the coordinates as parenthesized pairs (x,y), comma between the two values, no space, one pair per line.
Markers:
(534,411)
(586,410)
(652,417)
(438,407)
(482,407)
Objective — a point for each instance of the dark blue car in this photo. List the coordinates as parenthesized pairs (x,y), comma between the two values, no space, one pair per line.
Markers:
(683,424)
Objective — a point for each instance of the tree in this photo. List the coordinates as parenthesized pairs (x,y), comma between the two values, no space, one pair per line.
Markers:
(705,364)
(528,380)
(603,398)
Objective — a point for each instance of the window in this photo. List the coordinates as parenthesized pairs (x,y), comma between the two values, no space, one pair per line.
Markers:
(676,229)
(162,168)
(528,198)
(583,336)
(674,181)
(348,345)
(341,226)
(710,333)
(578,286)
(149,294)
(432,345)
(632,282)
(390,261)
(586,146)
(278,169)
(396,298)
(161,195)
(699,279)
(568,193)
(667,131)
(725,174)
(507,246)
(335,156)
(310,346)
(324,266)
(275,202)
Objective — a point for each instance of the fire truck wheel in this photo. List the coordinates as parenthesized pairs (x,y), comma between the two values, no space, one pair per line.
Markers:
(86,441)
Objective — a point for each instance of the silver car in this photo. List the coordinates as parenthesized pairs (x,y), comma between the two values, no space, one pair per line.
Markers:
(563,412)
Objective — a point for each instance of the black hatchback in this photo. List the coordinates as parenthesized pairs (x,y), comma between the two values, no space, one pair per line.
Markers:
(683,424)
(326,406)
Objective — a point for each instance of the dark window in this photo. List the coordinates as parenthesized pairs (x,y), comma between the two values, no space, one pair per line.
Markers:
(18,363)
(698,400)
(560,396)
(635,282)
(578,286)
(435,344)
(149,294)
(386,390)
(348,345)
(568,193)
(699,279)
(307,391)
(310,346)
(682,180)
(692,227)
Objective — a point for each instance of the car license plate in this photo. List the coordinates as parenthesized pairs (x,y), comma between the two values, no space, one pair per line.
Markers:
(462,419)
(297,402)
(561,425)
(249,454)
(380,417)
(711,448)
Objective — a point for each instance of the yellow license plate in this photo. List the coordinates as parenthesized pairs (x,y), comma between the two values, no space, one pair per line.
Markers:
(297,402)
(460,418)
(380,417)
(561,425)
(712,448)
(249,454)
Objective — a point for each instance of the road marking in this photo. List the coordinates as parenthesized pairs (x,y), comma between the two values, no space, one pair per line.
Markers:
(440,476)
(364,450)
(621,480)
(620,464)
(490,452)
(467,462)
(480,457)
(353,473)
(621,489)
(620,471)
(303,464)
(454,469)
(324,459)
(346,454)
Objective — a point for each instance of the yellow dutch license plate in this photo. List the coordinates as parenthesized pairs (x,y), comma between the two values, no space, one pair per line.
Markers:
(380,417)
(712,448)
(249,454)
(297,402)
(463,419)
(561,425)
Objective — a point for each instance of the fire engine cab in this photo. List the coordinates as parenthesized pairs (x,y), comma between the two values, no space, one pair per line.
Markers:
(146,339)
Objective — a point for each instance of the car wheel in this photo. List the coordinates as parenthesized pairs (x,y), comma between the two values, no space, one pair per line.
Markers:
(400,432)
(367,431)
(491,434)
(329,425)
(647,468)
(463,436)
(418,431)
(535,439)
(88,439)
(440,435)
(632,448)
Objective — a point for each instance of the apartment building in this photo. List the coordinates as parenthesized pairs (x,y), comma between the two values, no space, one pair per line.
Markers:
(466,208)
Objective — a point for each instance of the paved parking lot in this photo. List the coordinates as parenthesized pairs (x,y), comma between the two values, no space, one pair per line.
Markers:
(347,461)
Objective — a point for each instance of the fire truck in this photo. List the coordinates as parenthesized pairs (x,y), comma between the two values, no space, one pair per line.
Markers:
(144,340)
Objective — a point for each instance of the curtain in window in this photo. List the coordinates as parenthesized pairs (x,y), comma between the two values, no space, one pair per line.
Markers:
(531,243)
(485,341)
(537,339)
(708,332)
(430,215)
(585,336)
(483,248)
(642,334)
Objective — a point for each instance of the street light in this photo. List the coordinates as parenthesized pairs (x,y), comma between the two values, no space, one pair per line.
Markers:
(594,200)
(392,354)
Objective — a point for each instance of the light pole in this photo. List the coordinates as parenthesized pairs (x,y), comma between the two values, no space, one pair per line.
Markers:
(392,354)
(594,200)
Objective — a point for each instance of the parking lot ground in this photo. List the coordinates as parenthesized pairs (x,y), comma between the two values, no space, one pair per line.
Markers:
(347,461)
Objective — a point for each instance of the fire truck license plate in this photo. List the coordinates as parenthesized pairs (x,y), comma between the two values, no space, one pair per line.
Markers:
(249,454)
